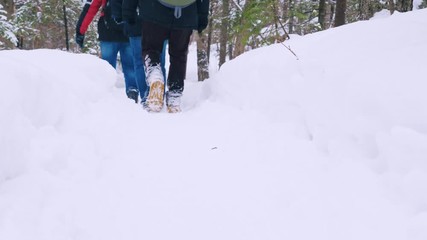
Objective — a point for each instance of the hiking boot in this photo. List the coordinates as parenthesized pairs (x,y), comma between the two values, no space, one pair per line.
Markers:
(173,102)
(154,102)
(154,73)
(155,81)
(132,94)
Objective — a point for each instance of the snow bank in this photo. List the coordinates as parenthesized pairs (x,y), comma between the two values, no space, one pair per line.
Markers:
(331,146)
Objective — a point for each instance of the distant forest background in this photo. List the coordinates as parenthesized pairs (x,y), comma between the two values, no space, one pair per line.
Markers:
(235,26)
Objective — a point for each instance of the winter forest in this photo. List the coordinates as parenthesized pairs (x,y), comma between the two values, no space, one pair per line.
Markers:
(292,128)
(236,26)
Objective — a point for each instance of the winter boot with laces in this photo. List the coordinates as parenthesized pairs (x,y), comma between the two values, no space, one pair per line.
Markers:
(173,102)
(155,80)
(132,94)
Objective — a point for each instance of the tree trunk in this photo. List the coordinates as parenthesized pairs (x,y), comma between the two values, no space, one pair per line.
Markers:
(275,9)
(210,31)
(202,57)
(364,10)
(67,42)
(340,13)
(391,6)
(404,5)
(329,14)
(291,17)
(230,51)
(223,39)
(241,35)
(322,14)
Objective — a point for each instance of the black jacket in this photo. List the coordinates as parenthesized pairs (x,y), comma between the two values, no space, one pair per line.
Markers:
(134,28)
(107,30)
(194,16)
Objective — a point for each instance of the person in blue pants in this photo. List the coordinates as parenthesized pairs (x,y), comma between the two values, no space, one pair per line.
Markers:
(134,31)
(112,41)
(166,20)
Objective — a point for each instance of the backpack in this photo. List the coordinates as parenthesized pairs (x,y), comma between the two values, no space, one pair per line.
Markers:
(178,5)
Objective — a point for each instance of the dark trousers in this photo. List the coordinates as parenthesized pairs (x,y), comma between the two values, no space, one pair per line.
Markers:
(153,36)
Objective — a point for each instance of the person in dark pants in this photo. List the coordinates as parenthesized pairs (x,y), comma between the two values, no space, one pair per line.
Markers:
(134,32)
(160,23)
(112,41)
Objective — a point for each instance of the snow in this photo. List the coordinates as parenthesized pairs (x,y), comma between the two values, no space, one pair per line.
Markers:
(416,4)
(331,146)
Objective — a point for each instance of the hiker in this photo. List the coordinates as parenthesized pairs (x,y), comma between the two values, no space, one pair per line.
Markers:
(134,33)
(162,21)
(112,41)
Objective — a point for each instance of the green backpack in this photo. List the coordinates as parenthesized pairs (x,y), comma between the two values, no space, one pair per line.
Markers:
(178,5)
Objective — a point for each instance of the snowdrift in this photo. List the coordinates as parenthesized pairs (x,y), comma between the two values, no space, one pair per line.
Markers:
(331,146)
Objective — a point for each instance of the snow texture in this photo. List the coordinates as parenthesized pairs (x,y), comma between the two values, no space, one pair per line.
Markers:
(331,146)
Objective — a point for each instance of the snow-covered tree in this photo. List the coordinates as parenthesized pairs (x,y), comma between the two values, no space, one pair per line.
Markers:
(41,23)
(6,30)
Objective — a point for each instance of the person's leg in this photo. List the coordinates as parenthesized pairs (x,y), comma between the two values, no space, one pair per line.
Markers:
(178,51)
(109,52)
(136,45)
(153,38)
(126,57)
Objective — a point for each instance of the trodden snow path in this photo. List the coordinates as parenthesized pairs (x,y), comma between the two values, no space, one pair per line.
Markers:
(330,147)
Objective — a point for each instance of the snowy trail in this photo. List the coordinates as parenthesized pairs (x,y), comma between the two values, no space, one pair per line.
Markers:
(331,147)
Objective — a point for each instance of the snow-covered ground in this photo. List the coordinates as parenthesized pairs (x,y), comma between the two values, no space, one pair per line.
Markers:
(332,146)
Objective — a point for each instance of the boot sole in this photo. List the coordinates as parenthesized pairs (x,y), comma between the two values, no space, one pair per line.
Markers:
(154,102)
(174,109)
